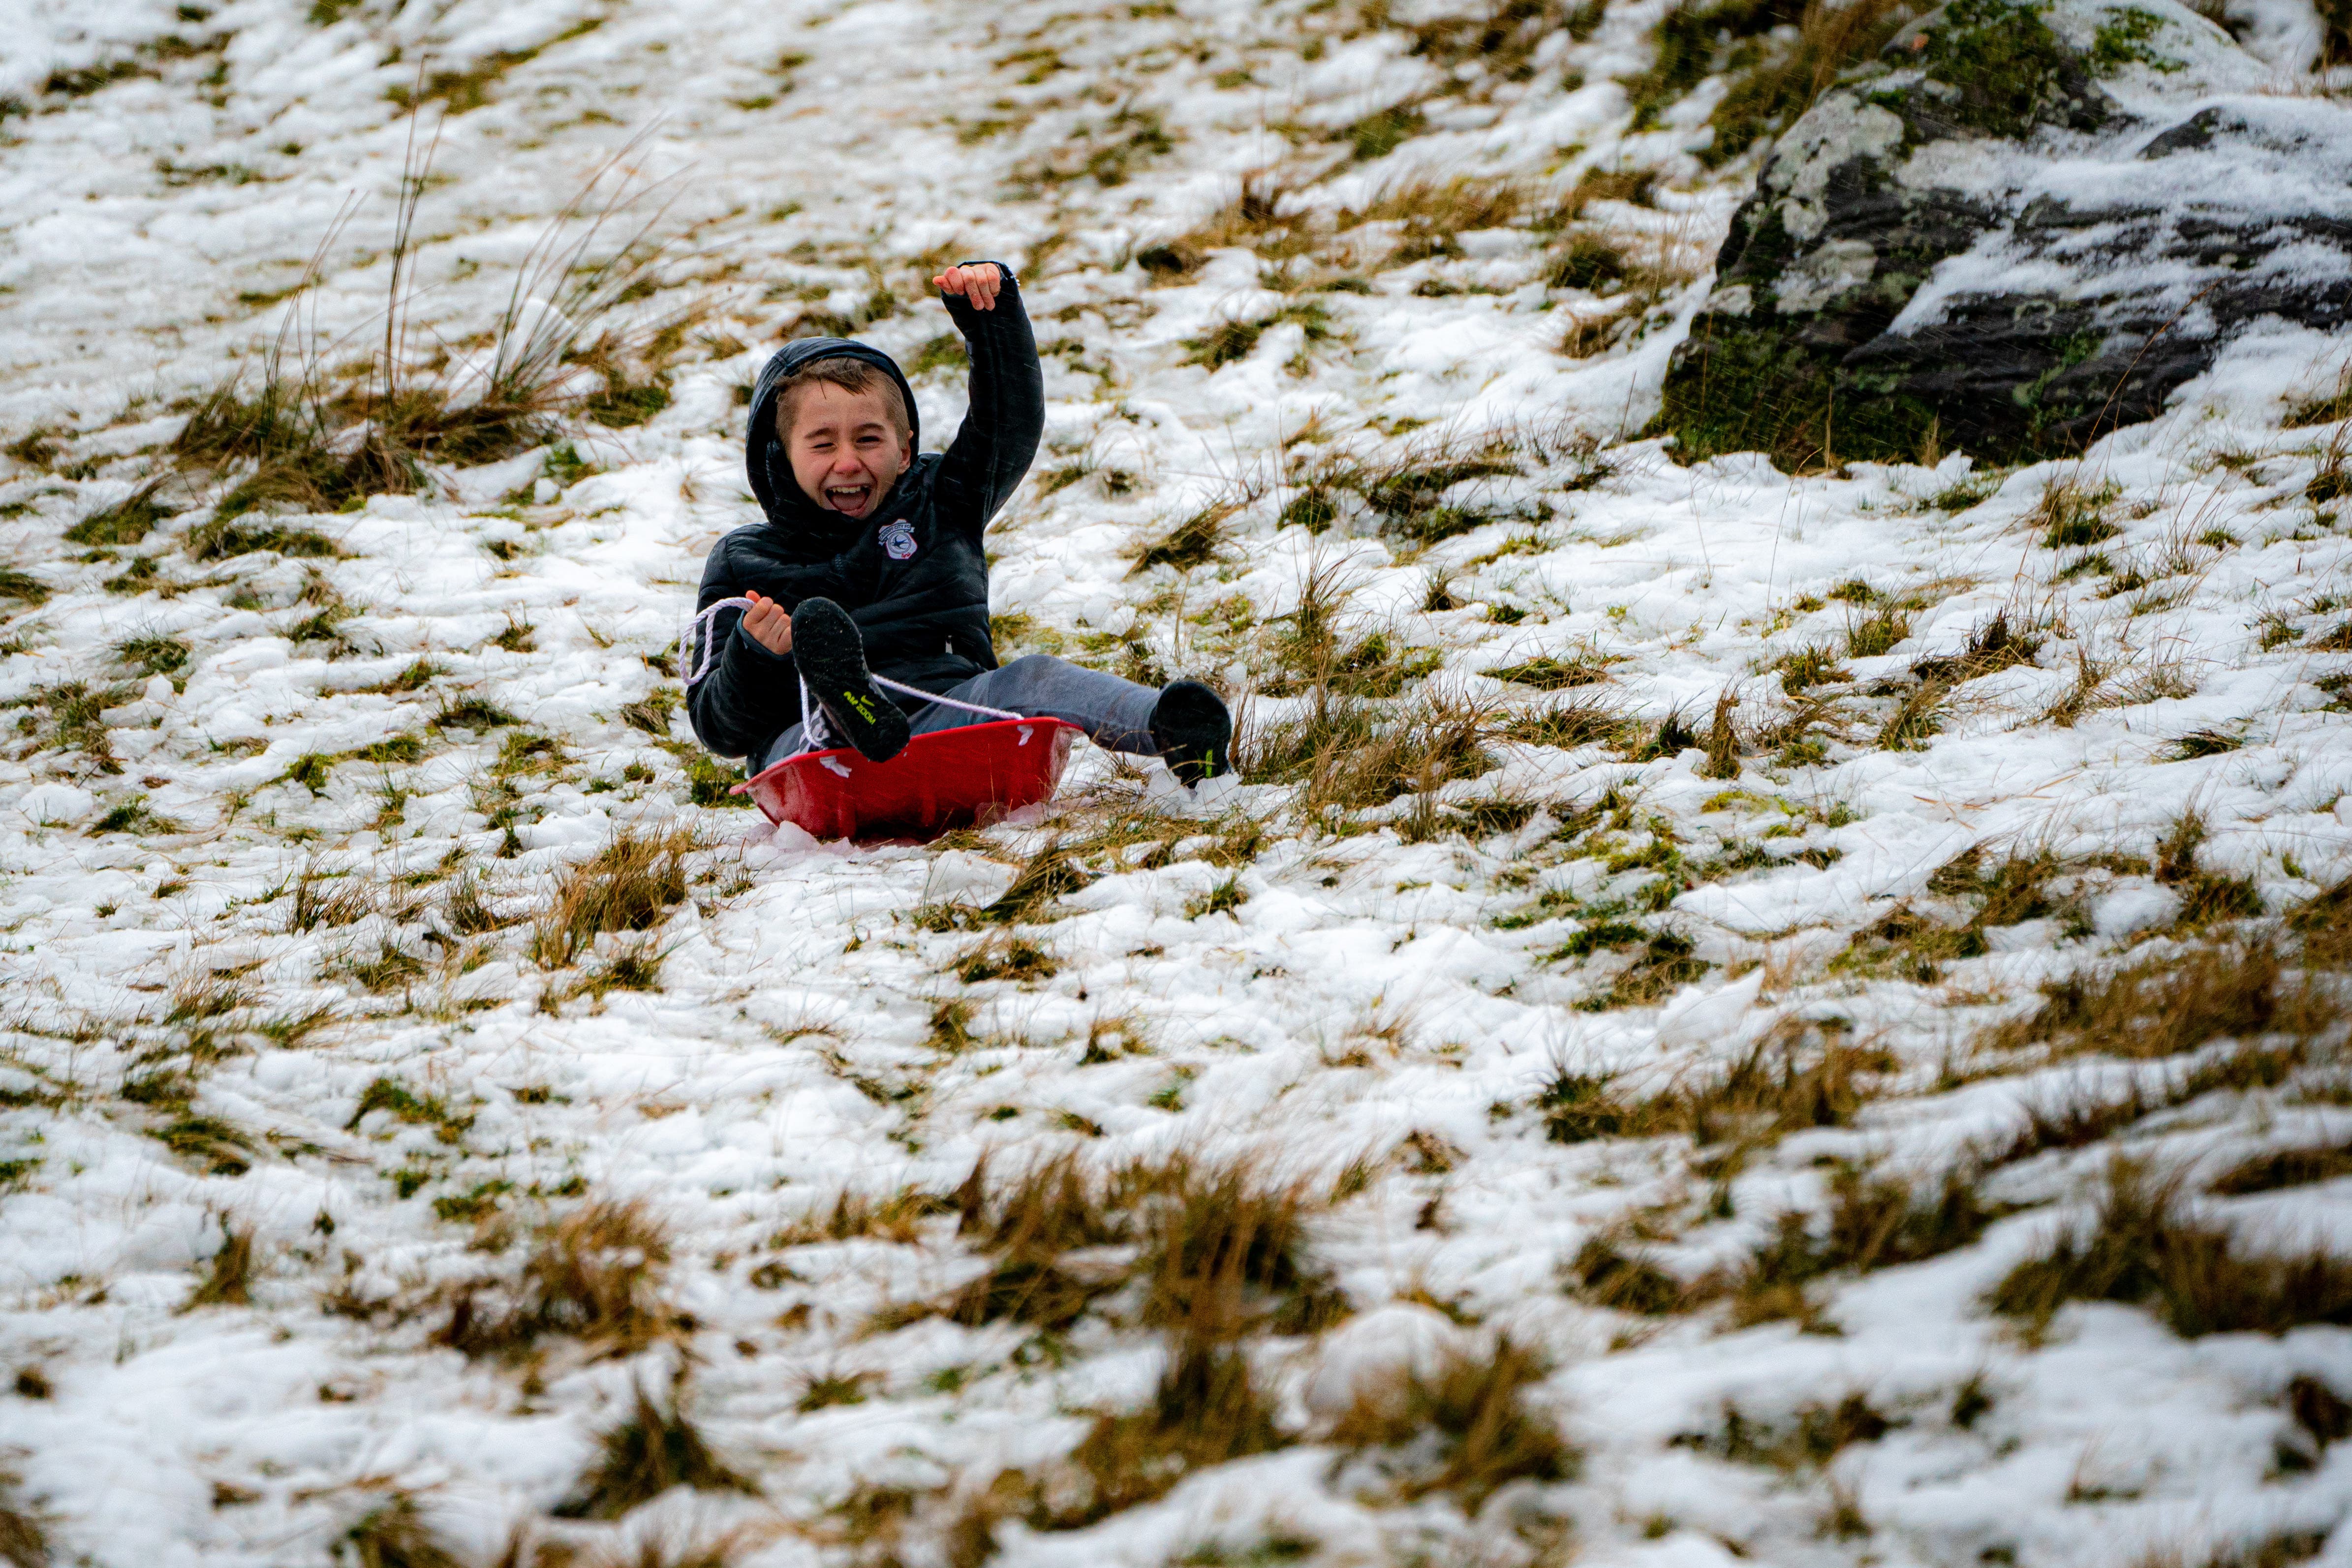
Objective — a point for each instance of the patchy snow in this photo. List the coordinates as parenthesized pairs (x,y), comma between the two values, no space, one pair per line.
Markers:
(240,999)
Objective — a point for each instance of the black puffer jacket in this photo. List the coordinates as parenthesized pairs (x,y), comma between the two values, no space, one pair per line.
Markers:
(912,574)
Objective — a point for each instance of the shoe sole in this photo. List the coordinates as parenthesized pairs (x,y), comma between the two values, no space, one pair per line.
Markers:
(832,658)
(1193,731)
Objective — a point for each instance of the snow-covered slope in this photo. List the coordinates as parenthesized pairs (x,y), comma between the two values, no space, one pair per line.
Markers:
(1893,847)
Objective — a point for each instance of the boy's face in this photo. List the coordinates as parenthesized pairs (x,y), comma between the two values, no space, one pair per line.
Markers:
(845,452)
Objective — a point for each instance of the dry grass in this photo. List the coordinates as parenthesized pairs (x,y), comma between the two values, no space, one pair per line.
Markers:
(229,1277)
(1431,212)
(2017,888)
(2198,1275)
(1474,1406)
(1224,1251)
(595,1275)
(1809,1440)
(645,1454)
(675,1548)
(2080,1122)
(395,1535)
(1207,1409)
(1054,1208)
(23,1542)
(1196,540)
(316,439)
(1221,1255)
(1221,1252)
(2284,1168)
(2330,407)
(1874,1222)
(1992,647)
(1045,876)
(1348,754)
(1789,1081)
(1589,720)
(1766,96)
(2206,896)
(1313,648)
(630,884)
(2166,1005)
(1004,957)
(1723,738)
(896,1219)
(2323,923)
(2282,1551)
(1429,488)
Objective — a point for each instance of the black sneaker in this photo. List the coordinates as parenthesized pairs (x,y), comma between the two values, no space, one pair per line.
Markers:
(1193,731)
(832,658)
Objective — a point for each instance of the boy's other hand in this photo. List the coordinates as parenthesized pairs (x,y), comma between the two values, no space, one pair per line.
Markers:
(978,283)
(769,623)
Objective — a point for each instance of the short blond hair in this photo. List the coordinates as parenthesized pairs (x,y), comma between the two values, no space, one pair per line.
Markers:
(851,376)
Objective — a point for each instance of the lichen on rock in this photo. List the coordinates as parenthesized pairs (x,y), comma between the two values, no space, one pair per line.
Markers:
(1868,298)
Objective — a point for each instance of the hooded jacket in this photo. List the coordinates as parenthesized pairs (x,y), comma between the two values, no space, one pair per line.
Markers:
(911,574)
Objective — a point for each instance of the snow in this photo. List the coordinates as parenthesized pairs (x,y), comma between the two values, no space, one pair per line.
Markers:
(1372,986)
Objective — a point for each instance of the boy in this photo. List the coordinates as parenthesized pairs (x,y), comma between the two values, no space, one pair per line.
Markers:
(870,562)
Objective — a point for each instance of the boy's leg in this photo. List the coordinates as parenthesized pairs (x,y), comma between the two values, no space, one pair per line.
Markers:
(1183,722)
(785,745)
(832,658)
(1113,712)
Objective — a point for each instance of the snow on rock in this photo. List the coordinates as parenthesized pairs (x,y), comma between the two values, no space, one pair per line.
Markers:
(2021,226)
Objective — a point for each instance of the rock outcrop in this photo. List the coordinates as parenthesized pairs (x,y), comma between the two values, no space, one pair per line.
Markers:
(2019,227)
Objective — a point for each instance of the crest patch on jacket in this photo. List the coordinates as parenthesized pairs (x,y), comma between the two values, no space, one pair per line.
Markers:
(897,540)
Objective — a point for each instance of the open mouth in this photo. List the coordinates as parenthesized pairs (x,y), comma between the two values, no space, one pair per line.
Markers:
(849,498)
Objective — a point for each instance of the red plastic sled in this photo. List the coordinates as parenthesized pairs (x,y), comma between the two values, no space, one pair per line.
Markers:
(949,778)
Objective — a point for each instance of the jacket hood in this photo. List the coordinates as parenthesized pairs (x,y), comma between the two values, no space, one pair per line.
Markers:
(815,529)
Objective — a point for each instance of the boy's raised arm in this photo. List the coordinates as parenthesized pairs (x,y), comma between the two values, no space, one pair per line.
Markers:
(1007,415)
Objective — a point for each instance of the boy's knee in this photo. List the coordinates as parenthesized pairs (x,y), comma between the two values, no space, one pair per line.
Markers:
(1032,667)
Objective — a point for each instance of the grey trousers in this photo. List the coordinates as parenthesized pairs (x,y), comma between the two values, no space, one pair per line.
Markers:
(1113,712)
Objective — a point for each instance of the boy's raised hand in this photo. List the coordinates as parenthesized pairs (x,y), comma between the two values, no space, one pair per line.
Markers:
(769,623)
(977,282)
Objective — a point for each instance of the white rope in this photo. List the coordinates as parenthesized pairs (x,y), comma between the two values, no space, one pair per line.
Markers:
(698,635)
(698,653)
(945,702)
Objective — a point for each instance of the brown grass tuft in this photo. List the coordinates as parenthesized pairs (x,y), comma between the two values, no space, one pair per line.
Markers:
(1224,1251)
(1874,1222)
(630,884)
(1207,1410)
(229,1277)
(330,900)
(23,1542)
(645,1456)
(1042,878)
(1787,1083)
(1474,1404)
(1722,739)
(2206,896)
(1605,1275)
(1348,754)
(1815,1434)
(896,1219)
(2164,1006)
(396,1536)
(2284,1168)
(1573,721)
(2142,1248)
(1053,1208)
(2078,1123)
(595,1275)
(2323,922)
